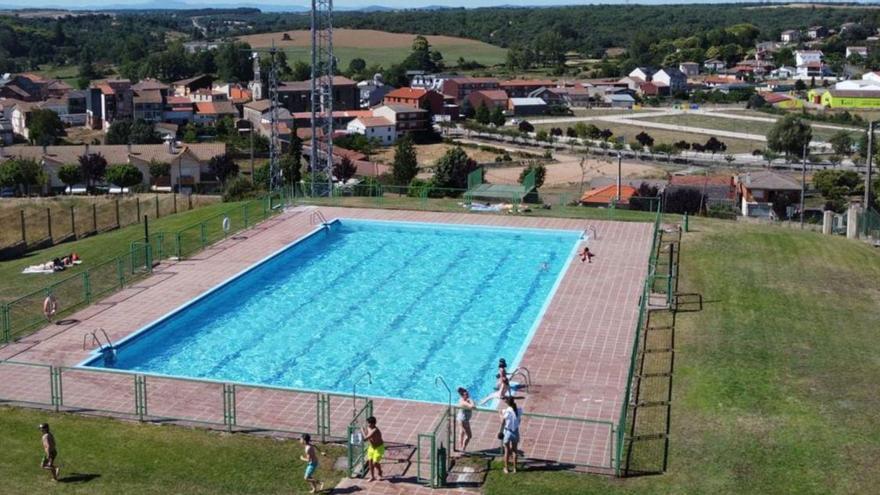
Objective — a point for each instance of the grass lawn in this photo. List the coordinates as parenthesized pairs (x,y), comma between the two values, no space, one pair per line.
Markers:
(379,47)
(92,250)
(735,125)
(775,380)
(103,456)
(663,136)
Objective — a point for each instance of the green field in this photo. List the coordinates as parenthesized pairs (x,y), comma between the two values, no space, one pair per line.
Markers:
(103,456)
(378,47)
(629,132)
(92,250)
(386,57)
(736,125)
(774,388)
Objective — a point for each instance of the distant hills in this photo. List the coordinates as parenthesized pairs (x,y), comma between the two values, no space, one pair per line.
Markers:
(154,5)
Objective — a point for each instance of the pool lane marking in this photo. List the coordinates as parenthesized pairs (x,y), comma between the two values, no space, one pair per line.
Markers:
(259,337)
(318,336)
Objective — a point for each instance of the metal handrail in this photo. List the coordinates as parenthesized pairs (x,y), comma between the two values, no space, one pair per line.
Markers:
(525,373)
(96,340)
(316,216)
(592,229)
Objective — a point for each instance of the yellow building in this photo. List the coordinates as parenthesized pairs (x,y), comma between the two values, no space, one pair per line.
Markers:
(846,98)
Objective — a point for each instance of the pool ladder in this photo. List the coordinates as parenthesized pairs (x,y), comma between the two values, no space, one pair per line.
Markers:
(525,374)
(594,237)
(318,217)
(105,347)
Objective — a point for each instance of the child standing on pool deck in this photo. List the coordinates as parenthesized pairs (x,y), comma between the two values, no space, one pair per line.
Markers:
(375,448)
(311,456)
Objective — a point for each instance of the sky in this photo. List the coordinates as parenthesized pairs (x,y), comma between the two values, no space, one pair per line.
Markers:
(341,4)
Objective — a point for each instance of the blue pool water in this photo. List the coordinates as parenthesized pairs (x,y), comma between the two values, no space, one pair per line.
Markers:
(405,301)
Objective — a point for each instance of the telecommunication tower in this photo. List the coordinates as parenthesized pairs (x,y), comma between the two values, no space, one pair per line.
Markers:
(323,65)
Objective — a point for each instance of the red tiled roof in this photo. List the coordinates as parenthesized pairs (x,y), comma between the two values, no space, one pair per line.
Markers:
(525,82)
(493,94)
(375,121)
(774,97)
(414,93)
(607,194)
(337,114)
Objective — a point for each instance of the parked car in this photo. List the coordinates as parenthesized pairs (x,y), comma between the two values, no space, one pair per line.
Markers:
(7,192)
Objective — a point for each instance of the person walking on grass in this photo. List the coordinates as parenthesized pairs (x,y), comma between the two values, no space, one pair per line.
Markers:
(466,408)
(510,418)
(375,448)
(49,451)
(311,457)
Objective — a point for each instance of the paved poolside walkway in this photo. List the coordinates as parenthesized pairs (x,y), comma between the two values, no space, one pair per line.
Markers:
(578,358)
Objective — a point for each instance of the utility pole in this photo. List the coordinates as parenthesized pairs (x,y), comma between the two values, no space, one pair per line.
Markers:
(868,172)
(619,160)
(803,182)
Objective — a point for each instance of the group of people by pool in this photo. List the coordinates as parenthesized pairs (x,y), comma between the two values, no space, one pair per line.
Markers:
(509,413)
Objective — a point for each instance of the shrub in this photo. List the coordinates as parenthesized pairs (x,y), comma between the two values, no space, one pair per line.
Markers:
(124,175)
(238,188)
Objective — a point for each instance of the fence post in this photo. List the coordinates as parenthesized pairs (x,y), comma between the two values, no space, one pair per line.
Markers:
(4,321)
(118,225)
(174,199)
(49,221)
(190,200)
(55,387)
(120,272)
(244,214)
(94,217)
(157,206)
(73,222)
(177,245)
(87,287)
(229,405)
(203,234)
(23,232)
(137,201)
(140,396)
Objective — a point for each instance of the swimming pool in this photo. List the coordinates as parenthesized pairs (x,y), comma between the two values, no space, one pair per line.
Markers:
(405,301)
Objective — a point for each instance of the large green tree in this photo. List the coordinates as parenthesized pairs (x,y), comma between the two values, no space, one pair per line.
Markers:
(45,127)
(405,166)
(223,167)
(124,175)
(137,132)
(23,173)
(93,167)
(452,169)
(70,174)
(790,135)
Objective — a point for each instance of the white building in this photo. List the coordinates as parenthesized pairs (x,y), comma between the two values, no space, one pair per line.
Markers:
(804,57)
(643,73)
(871,76)
(784,72)
(379,128)
(373,91)
(714,65)
(861,51)
(671,77)
(790,36)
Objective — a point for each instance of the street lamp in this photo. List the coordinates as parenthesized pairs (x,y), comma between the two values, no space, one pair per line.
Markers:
(870,157)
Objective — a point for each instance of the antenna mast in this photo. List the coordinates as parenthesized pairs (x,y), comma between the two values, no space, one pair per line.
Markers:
(321,158)
(276,179)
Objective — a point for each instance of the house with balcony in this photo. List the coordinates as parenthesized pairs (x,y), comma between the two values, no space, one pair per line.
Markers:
(406,119)
(107,102)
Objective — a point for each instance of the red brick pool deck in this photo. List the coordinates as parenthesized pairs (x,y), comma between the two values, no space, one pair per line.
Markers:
(578,357)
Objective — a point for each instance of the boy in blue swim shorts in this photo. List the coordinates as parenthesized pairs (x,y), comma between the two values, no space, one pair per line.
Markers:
(311,457)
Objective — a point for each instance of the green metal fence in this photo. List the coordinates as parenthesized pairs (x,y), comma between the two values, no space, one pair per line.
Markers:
(869,224)
(647,289)
(434,451)
(25,314)
(356,445)
(143,397)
